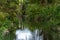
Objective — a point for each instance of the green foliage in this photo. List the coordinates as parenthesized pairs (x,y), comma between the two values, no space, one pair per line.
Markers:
(46,18)
(37,16)
(8,19)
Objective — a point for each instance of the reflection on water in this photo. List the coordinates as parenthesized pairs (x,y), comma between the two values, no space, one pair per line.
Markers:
(26,34)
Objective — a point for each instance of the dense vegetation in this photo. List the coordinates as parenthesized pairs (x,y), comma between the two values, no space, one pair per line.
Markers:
(40,14)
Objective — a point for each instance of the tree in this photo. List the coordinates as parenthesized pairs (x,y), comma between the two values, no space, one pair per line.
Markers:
(34,16)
